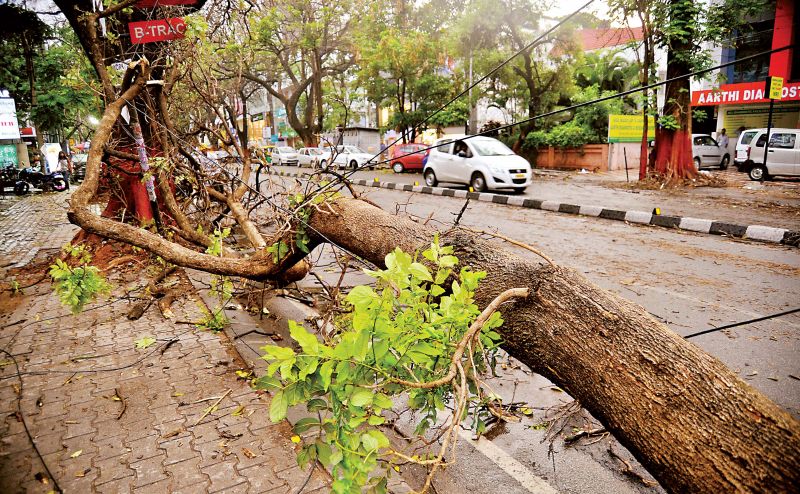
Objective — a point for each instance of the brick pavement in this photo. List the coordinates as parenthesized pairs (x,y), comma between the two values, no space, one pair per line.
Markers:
(76,369)
(29,224)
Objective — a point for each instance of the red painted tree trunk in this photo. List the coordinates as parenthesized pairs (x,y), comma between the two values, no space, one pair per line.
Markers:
(674,145)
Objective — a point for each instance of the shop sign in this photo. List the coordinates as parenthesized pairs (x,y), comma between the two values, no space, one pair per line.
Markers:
(8,155)
(629,128)
(158,30)
(9,127)
(27,132)
(744,93)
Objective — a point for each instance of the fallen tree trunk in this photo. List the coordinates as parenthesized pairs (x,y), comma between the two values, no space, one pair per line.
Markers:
(683,414)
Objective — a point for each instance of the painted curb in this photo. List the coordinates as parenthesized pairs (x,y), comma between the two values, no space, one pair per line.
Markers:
(749,232)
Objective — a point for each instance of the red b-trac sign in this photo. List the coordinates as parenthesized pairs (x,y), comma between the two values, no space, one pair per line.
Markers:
(159,30)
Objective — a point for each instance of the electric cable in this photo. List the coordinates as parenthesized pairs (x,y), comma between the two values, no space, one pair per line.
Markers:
(742,323)
(580,105)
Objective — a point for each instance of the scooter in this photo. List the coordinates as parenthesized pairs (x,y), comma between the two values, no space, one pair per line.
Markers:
(46,182)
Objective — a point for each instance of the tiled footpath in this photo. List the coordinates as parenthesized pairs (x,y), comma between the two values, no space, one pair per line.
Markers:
(30,224)
(699,225)
(107,416)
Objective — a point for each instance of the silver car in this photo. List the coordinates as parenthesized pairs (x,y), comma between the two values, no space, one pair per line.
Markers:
(285,155)
(310,156)
(707,152)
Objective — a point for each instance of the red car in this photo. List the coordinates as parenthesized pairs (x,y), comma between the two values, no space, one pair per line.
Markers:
(401,162)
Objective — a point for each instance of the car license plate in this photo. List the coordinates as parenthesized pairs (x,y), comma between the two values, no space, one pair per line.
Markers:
(519,175)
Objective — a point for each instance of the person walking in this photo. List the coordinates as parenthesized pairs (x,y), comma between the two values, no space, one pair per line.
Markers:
(64,166)
(723,139)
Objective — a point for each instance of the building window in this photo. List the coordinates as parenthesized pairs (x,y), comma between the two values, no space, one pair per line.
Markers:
(756,39)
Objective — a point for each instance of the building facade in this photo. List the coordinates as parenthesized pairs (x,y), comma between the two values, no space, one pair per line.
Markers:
(741,101)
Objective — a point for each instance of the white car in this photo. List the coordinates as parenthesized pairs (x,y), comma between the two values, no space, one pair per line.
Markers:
(346,156)
(309,156)
(707,152)
(285,155)
(481,162)
(742,143)
(783,157)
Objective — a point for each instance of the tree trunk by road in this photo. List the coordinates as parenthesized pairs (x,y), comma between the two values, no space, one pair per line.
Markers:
(694,424)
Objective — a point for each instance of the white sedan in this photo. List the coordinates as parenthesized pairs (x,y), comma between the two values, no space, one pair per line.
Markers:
(347,156)
(310,156)
(285,155)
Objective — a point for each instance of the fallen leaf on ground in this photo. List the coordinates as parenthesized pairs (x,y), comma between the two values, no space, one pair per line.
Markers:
(238,411)
(248,453)
(76,454)
(295,439)
(144,342)
(83,473)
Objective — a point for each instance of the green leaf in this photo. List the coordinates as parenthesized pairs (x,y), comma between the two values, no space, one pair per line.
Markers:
(278,407)
(144,342)
(420,272)
(308,342)
(361,397)
(305,424)
(316,405)
(369,442)
(380,400)
(361,297)
(325,372)
(376,420)
(379,437)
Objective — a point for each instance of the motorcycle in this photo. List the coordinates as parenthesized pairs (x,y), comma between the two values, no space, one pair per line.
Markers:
(8,177)
(45,181)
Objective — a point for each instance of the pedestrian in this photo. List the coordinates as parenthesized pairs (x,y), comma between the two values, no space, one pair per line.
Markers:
(64,166)
(723,139)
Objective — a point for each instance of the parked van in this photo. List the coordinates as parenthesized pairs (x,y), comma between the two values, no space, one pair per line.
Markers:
(783,155)
(744,140)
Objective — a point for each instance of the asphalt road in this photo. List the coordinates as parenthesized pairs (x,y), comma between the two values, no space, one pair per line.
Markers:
(689,281)
(773,203)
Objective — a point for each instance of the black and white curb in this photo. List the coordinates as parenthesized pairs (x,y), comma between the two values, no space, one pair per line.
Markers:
(751,232)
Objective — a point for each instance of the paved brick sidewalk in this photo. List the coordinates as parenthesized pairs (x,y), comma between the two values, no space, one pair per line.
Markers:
(76,369)
(30,224)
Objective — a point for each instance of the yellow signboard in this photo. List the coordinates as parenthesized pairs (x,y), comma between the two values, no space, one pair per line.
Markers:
(775,87)
(629,128)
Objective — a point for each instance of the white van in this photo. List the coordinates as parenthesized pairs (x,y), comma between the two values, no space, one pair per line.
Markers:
(783,156)
(745,137)
(481,162)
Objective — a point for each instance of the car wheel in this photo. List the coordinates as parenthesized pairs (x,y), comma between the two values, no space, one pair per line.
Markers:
(478,182)
(430,178)
(697,163)
(323,164)
(397,167)
(354,165)
(519,190)
(726,160)
(758,172)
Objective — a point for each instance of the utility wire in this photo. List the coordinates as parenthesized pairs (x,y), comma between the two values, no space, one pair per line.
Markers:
(742,323)
(579,105)
(486,76)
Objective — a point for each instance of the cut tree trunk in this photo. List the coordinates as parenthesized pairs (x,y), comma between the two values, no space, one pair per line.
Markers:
(682,413)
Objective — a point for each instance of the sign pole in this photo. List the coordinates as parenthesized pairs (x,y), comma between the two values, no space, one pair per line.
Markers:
(773,90)
(769,128)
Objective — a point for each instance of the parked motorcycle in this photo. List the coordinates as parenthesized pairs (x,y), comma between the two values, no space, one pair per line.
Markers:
(45,181)
(9,175)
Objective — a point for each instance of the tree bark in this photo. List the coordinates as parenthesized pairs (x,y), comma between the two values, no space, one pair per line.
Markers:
(682,413)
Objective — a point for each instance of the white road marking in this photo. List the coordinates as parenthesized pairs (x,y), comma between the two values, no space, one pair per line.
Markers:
(509,465)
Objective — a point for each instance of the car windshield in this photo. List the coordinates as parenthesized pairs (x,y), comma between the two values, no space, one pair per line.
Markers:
(748,136)
(352,149)
(315,151)
(286,149)
(490,147)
